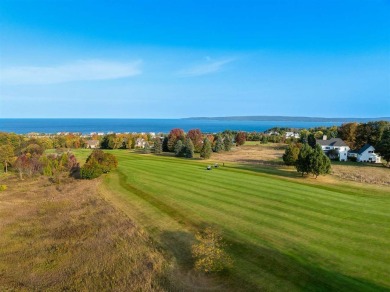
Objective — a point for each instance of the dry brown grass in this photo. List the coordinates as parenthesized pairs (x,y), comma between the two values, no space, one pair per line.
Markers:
(68,237)
(271,155)
(372,174)
(268,154)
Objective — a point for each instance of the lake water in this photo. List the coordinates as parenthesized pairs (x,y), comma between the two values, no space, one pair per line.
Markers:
(86,126)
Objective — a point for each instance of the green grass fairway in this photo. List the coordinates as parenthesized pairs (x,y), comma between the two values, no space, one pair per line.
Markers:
(284,234)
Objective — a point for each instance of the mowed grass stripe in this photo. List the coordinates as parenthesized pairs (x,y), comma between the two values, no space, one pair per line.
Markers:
(320,237)
(285,198)
(270,211)
(262,184)
(352,190)
(319,266)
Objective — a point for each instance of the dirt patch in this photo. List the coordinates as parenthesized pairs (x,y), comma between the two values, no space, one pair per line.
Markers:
(67,237)
(269,154)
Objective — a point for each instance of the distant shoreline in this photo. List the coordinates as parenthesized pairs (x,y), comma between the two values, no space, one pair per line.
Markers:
(289,119)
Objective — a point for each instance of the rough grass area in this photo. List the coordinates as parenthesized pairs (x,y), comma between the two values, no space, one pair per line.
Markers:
(256,154)
(66,237)
(362,172)
(270,155)
(284,233)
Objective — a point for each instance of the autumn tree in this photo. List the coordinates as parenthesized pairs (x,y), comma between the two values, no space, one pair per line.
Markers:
(206,150)
(6,155)
(347,132)
(111,141)
(196,137)
(27,164)
(174,135)
(240,138)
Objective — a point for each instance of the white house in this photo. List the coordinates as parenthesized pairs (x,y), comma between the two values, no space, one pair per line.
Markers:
(140,143)
(365,154)
(292,135)
(92,144)
(334,144)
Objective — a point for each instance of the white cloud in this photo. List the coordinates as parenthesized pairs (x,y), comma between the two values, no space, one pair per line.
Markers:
(77,71)
(207,68)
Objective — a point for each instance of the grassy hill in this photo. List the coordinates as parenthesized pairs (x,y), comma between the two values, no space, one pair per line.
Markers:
(284,234)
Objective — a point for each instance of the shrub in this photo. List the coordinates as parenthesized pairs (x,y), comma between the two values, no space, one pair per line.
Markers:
(3,188)
(91,169)
(209,252)
(98,163)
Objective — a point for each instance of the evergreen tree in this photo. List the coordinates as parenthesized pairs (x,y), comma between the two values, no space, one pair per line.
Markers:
(178,149)
(303,163)
(290,156)
(158,147)
(188,148)
(264,139)
(165,144)
(227,142)
(383,147)
(319,163)
(218,147)
(311,140)
(146,148)
(206,151)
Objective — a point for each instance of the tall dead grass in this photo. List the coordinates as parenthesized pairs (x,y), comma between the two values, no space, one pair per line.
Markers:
(67,237)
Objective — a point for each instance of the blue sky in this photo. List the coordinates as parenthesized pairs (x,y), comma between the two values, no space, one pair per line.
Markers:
(172,59)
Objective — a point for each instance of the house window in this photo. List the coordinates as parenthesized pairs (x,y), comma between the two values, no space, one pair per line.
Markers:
(370,151)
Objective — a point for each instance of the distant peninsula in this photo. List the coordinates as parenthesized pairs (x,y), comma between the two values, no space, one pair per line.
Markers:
(290,119)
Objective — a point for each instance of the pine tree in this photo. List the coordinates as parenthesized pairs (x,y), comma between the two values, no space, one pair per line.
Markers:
(227,142)
(206,151)
(189,148)
(290,156)
(158,146)
(218,147)
(303,163)
(311,140)
(178,149)
(319,162)
(146,148)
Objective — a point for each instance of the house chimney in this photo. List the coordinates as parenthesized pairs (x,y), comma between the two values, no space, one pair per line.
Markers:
(324,137)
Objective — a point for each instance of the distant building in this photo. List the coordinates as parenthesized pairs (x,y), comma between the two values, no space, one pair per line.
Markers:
(292,135)
(365,154)
(140,143)
(92,144)
(334,144)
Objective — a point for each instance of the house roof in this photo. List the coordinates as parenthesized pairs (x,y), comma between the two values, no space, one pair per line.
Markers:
(331,142)
(364,148)
(92,142)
